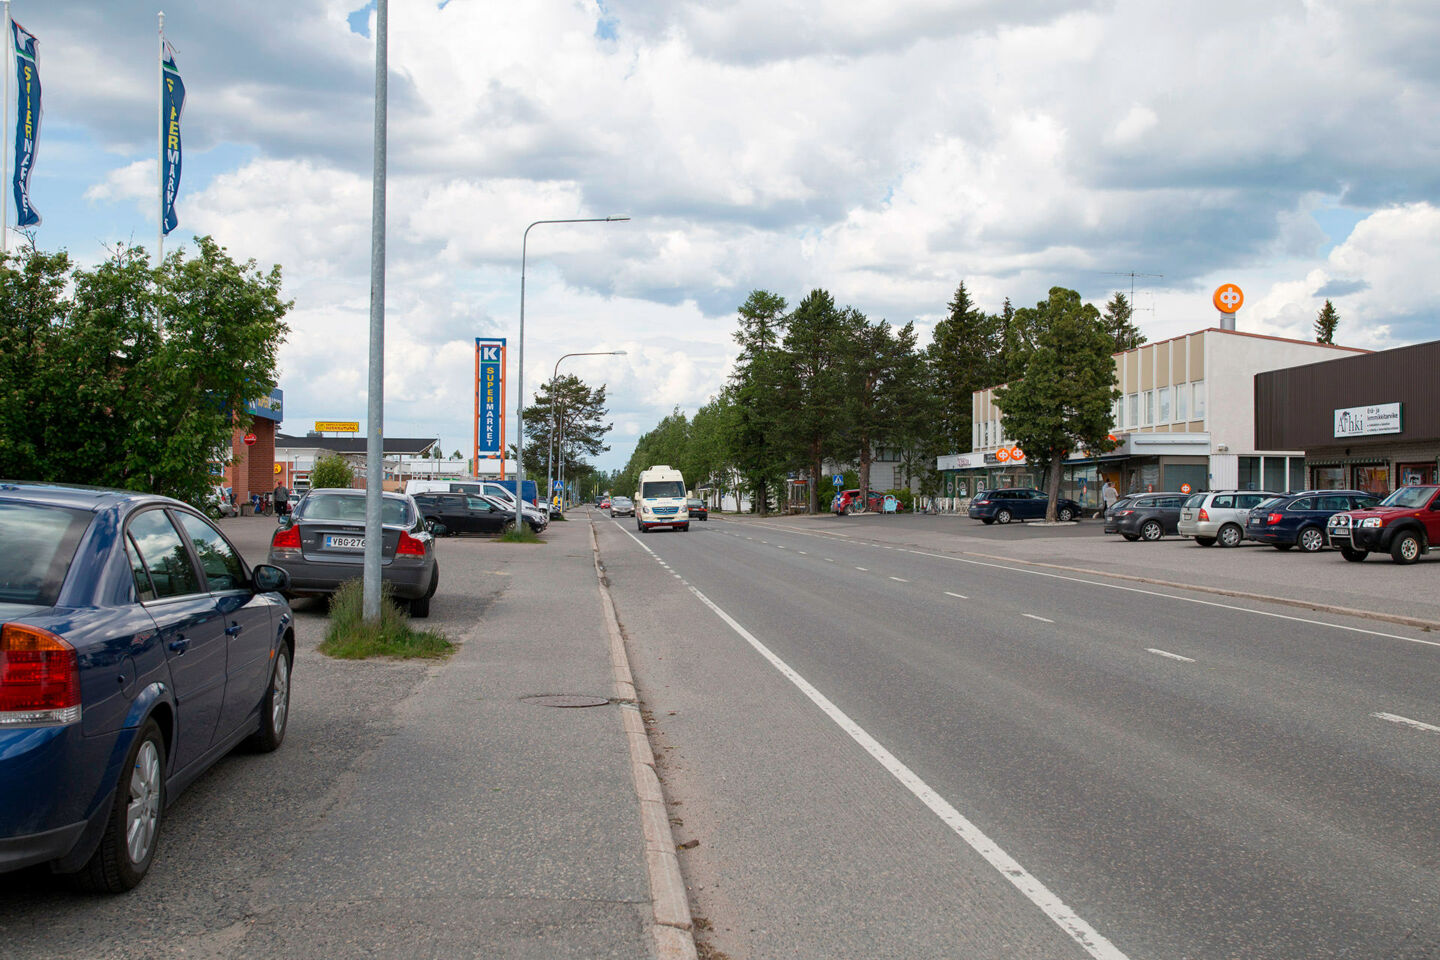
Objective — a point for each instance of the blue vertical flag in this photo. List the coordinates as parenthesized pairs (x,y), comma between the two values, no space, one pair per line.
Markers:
(172,105)
(27,121)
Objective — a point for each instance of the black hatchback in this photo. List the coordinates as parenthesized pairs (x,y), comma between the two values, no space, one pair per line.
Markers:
(1146,516)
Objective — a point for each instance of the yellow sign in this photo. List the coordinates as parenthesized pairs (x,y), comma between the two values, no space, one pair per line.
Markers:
(1228,298)
(279,468)
(337,426)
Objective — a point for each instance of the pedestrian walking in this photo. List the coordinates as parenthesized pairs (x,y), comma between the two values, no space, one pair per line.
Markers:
(1108,496)
(281,498)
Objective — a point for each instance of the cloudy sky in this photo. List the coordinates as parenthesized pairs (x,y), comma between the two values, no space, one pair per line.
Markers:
(884,151)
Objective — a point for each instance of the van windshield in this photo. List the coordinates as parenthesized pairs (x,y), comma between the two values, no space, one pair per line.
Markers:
(662,488)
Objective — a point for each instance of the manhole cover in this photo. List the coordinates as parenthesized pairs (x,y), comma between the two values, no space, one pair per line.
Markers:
(566,700)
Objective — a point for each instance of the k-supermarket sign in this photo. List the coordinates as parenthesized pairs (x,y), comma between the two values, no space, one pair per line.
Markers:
(489,397)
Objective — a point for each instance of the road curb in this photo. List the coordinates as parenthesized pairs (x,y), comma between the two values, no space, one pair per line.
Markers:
(672,925)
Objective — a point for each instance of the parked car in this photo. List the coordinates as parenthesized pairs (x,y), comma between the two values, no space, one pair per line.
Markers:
(1146,516)
(136,649)
(698,510)
(468,513)
(604,504)
(1218,516)
(622,507)
(850,501)
(1299,519)
(322,545)
(218,503)
(1018,503)
(1405,524)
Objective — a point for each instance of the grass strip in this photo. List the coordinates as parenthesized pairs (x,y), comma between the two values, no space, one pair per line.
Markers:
(349,637)
(521,534)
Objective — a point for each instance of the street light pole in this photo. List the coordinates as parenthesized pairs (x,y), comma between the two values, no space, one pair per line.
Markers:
(551,473)
(370,593)
(520,362)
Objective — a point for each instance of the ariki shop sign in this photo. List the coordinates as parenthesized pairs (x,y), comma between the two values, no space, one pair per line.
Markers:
(1367,421)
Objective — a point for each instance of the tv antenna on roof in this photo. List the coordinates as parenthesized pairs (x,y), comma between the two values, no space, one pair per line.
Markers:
(1132,275)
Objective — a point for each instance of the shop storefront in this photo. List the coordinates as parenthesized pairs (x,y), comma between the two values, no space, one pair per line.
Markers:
(1367,423)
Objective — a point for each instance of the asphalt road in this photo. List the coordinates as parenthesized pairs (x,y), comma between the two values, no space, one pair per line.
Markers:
(893,751)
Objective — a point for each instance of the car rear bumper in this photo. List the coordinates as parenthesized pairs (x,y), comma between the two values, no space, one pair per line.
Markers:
(407,581)
(65,798)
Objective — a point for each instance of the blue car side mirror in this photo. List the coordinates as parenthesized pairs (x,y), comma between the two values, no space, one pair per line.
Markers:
(269,579)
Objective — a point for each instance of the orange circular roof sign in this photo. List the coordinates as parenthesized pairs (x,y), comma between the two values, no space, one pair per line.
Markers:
(1003,454)
(1228,298)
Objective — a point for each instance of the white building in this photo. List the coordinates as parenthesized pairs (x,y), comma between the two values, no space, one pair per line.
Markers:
(1185,419)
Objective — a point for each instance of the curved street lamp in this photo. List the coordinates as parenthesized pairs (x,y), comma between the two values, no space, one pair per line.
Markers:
(557,424)
(520,364)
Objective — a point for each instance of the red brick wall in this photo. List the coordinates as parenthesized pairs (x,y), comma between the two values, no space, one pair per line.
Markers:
(254,469)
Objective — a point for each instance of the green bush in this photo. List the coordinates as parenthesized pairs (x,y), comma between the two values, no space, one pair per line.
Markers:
(349,637)
(331,470)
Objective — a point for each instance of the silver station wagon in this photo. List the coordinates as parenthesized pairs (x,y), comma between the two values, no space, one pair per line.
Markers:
(1218,516)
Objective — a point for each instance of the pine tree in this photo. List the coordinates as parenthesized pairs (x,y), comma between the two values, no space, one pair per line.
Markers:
(1325,323)
(963,352)
(1119,327)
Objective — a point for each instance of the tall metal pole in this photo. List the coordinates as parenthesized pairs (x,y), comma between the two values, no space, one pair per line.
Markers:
(375,412)
(520,360)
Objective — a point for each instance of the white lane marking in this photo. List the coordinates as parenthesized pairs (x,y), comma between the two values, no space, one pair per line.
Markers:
(1036,892)
(802,553)
(899,579)
(1033,617)
(1172,656)
(829,560)
(1171,596)
(862,569)
(1406,721)
(959,595)
(780,546)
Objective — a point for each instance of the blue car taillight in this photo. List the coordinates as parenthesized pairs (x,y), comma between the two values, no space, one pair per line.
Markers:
(39,677)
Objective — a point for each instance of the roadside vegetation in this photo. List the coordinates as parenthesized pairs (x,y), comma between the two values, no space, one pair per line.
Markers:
(132,374)
(350,637)
(520,534)
(823,383)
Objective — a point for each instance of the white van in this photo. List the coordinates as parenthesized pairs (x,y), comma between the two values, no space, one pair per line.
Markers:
(660,501)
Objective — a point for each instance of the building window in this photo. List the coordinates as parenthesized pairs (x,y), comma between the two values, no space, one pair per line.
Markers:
(1275,474)
(1199,399)
(1250,473)
(1374,480)
(1297,473)
(1149,407)
(1164,404)
(1132,410)
(1115,421)
(1181,393)
(1328,478)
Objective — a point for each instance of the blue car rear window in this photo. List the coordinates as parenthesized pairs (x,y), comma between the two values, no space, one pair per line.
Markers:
(39,544)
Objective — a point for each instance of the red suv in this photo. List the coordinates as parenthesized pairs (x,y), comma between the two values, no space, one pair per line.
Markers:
(1405,524)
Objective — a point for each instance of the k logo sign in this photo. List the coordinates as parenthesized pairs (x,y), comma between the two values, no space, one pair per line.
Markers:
(489,354)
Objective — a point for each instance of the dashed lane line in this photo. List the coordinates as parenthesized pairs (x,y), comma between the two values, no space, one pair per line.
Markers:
(1406,722)
(1033,617)
(1172,656)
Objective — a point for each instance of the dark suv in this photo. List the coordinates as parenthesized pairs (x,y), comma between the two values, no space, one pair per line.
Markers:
(1018,503)
(1299,519)
(1146,516)
(1404,524)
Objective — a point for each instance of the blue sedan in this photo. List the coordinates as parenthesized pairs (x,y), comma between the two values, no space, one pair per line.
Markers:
(1019,503)
(136,649)
(1299,519)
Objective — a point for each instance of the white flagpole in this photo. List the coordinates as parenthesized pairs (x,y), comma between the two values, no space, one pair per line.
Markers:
(5,125)
(160,157)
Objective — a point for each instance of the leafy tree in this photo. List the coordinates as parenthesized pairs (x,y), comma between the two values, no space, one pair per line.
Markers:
(331,470)
(1063,399)
(1118,326)
(964,357)
(915,410)
(138,379)
(456,455)
(1325,323)
(812,384)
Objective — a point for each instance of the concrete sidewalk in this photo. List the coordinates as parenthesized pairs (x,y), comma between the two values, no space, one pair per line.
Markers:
(484,825)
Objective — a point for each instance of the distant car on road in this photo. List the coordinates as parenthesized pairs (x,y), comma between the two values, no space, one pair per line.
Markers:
(1146,516)
(468,513)
(604,504)
(137,648)
(1018,503)
(622,507)
(698,510)
(1299,519)
(1218,516)
(1405,524)
(322,545)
